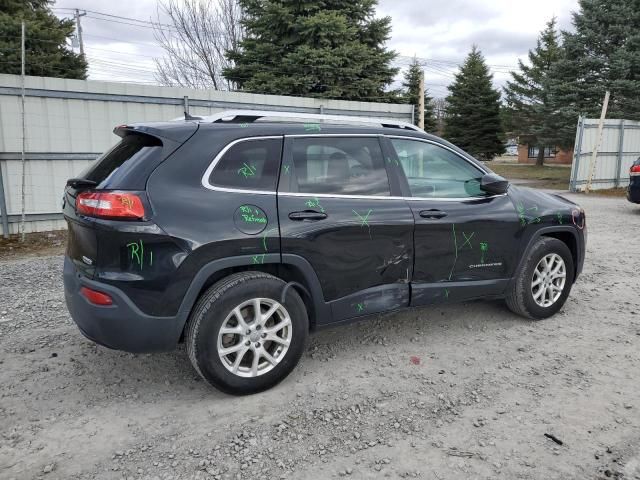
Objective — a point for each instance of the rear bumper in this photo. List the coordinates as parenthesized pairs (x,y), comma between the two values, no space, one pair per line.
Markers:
(121,326)
(633,191)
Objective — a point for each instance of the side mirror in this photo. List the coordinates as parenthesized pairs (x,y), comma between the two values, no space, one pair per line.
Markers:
(495,184)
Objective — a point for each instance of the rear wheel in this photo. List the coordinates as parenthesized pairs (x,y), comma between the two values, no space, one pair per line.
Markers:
(241,338)
(543,281)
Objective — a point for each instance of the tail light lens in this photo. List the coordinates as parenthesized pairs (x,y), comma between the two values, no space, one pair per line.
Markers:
(116,205)
(635,170)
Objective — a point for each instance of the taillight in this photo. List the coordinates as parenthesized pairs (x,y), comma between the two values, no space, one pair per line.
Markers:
(117,205)
(95,297)
(635,170)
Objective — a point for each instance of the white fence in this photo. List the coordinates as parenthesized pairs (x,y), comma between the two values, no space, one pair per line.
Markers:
(618,149)
(70,122)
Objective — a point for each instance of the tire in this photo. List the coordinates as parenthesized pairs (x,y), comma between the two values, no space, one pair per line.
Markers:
(520,295)
(206,343)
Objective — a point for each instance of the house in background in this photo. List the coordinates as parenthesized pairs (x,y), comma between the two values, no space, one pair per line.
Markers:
(552,155)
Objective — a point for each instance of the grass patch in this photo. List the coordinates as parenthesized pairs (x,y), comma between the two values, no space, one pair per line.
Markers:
(538,177)
(41,243)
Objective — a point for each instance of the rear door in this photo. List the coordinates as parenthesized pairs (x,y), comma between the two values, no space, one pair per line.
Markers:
(338,211)
(465,240)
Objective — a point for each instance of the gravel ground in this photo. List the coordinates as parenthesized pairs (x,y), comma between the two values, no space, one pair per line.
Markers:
(467,391)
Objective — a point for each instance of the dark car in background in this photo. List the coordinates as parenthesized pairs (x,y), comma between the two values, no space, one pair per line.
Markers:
(239,233)
(633,190)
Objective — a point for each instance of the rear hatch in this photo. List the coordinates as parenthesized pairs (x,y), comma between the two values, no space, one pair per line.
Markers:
(112,189)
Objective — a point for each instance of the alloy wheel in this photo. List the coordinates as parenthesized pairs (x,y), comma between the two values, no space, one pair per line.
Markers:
(254,337)
(548,280)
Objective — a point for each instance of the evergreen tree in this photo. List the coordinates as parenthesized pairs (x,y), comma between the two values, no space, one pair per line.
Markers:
(473,114)
(411,94)
(532,110)
(602,54)
(332,48)
(47,54)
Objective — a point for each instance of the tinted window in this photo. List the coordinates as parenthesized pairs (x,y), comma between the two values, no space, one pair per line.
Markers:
(336,165)
(249,165)
(433,171)
(131,150)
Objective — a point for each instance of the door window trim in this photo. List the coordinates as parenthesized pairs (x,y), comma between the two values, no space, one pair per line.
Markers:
(207,174)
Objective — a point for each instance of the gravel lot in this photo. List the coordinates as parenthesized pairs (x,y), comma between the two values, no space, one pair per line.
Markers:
(466,391)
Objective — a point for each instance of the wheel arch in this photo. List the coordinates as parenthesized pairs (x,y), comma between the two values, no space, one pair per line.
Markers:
(566,234)
(294,270)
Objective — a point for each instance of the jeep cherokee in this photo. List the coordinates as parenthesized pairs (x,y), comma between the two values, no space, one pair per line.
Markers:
(239,233)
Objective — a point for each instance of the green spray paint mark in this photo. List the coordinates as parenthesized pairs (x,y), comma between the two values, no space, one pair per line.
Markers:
(455,244)
(247,170)
(264,238)
(364,221)
(312,127)
(359,307)
(446,293)
(393,161)
(136,251)
(286,169)
(467,240)
(252,215)
(559,215)
(258,259)
(314,203)
(244,125)
(527,218)
(252,219)
(484,248)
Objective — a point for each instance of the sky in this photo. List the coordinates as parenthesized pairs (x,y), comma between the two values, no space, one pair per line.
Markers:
(439,32)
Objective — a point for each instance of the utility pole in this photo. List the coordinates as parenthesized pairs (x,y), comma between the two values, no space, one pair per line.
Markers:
(421,101)
(22,159)
(79,30)
(594,155)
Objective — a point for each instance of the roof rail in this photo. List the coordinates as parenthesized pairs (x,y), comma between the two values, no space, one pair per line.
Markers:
(253,115)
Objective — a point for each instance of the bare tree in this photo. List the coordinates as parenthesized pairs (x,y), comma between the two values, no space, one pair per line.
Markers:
(195,42)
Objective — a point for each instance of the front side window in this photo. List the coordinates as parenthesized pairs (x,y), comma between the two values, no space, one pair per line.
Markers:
(338,166)
(434,171)
(249,165)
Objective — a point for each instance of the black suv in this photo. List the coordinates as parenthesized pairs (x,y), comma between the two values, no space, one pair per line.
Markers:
(239,237)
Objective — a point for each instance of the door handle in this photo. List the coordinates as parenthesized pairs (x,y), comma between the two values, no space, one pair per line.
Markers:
(433,213)
(307,215)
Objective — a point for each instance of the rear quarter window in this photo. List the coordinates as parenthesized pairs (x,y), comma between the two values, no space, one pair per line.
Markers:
(127,153)
(248,165)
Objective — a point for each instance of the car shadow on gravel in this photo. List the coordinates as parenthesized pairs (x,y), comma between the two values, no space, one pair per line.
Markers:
(168,376)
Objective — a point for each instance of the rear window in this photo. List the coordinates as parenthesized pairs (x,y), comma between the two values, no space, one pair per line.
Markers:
(249,165)
(130,151)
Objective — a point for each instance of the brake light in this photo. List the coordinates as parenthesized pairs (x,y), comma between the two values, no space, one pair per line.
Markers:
(635,170)
(95,297)
(116,205)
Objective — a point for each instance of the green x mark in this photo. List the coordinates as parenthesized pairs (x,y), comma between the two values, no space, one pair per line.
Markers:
(467,240)
(364,221)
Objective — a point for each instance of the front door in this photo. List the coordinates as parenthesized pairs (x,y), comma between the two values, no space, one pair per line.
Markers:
(464,238)
(336,210)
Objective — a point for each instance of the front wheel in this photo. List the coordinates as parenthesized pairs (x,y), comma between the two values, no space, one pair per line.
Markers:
(241,338)
(543,281)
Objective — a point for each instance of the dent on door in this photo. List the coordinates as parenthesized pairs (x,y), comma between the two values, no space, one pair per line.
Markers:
(360,249)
